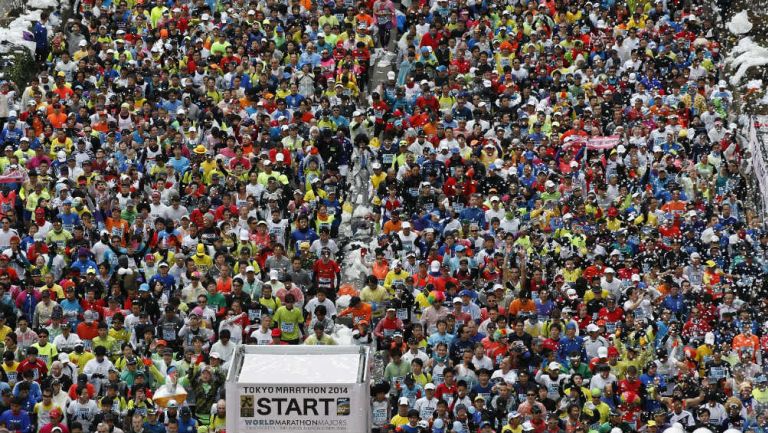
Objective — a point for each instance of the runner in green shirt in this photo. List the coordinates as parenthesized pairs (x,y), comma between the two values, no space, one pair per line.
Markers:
(290,321)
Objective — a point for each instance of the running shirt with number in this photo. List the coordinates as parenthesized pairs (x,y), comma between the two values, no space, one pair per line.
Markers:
(288,322)
(278,230)
(84,413)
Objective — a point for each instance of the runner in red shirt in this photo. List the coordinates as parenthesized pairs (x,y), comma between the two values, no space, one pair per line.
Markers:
(34,364)
(327,272)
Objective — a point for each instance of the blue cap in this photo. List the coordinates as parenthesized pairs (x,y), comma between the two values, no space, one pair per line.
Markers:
(570,325)
(460,248)
(279,28)
(441,68)
(455,150)
(492,167)
(465,292)
(67,201)
(144,287)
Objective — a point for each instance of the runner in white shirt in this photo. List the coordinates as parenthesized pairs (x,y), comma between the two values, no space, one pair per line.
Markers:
(263,335)
(427,405)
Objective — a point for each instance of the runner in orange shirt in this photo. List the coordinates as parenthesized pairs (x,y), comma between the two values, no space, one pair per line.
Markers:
(358,309)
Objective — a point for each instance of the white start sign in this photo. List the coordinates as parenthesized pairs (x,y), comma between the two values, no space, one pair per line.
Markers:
(291,408)
(299,390)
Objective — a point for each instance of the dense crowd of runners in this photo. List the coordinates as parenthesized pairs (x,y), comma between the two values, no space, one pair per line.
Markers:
(562,235)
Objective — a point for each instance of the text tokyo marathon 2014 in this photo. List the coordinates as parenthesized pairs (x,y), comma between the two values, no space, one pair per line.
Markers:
(294,389)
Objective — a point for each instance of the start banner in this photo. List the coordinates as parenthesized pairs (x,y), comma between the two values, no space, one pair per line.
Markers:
(298,408)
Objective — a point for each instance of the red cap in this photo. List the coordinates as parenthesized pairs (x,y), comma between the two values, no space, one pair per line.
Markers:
(612,351)
(276,332)
(55,413)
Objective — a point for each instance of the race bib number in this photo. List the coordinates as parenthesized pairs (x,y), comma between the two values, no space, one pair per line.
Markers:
(552,388)
(379,416)
(287,328)
(402,313)
(254,314)
(169,334)
(717,373)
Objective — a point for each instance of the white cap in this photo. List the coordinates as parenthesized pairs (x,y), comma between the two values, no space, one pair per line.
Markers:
(403,401)
(391,75)
(549,184)
(215,355)
(273,274)
(406,225)
(495,198)
(280,157)
(434,266)
(430,385)
(709,338)
(250,269)
(635,277)
(457,300)
(571,294)
(695,255)
(244,236)
(602,352)
(592,328)
(83,43)
(554,366)
(609,271)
